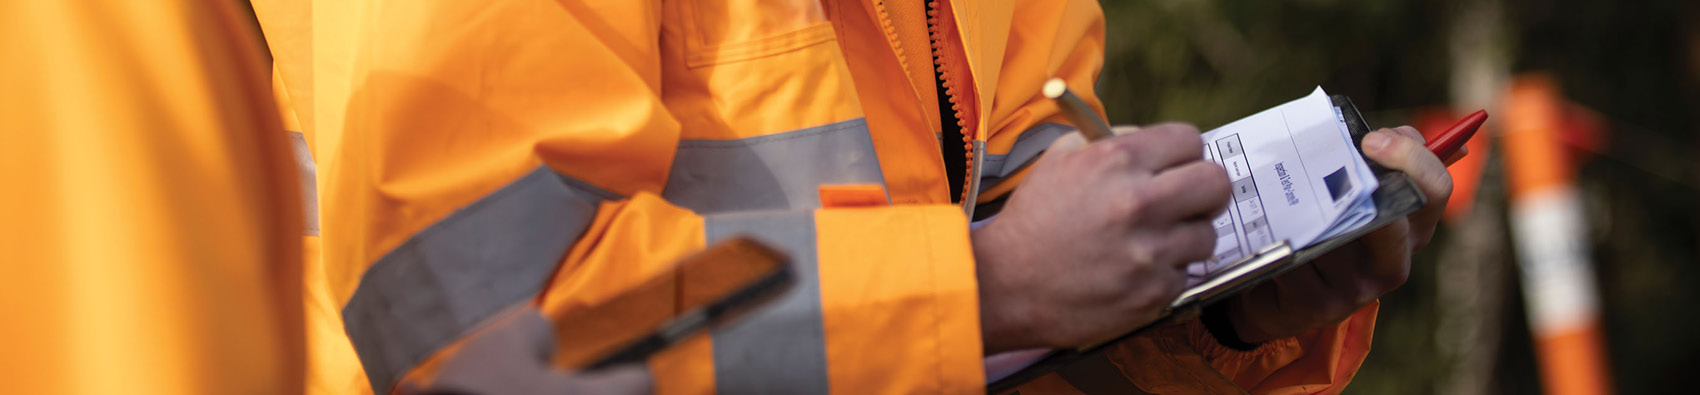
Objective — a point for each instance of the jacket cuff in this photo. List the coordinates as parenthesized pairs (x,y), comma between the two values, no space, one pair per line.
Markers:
(1323,360)
(900,280)
(1214,348)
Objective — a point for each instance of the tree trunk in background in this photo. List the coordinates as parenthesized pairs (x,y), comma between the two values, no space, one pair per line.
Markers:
(1471,270)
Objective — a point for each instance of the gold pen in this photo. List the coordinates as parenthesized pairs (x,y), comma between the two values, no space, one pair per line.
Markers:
(1090,125)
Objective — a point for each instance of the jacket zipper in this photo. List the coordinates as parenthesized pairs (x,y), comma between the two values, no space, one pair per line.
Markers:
(950,124)
(963,187)
(954,124)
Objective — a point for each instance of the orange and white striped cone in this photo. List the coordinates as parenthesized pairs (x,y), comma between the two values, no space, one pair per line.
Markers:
(1548,227)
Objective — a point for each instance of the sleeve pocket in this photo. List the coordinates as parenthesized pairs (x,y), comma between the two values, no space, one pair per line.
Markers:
(723,31)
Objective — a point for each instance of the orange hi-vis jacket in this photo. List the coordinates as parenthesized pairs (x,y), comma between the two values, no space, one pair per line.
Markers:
(151,217)
(478,155)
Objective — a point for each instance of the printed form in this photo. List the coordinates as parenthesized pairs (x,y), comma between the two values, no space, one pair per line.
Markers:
(1296,176)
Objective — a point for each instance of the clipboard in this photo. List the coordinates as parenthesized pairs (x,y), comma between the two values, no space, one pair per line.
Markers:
(1395,198)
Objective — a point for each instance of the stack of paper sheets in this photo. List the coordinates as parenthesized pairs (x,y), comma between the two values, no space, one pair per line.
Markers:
(1297,176)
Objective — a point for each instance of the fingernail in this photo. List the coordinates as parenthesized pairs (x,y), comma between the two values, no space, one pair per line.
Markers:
(1376,141)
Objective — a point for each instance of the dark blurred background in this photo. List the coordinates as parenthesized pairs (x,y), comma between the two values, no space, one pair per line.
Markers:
(1631,73)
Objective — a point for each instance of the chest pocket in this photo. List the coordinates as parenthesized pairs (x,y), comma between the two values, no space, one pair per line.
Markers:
(723,31)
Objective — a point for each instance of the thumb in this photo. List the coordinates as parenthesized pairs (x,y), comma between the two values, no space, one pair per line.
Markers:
(1071,142)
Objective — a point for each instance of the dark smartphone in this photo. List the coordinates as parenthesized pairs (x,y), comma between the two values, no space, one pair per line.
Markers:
(715,286)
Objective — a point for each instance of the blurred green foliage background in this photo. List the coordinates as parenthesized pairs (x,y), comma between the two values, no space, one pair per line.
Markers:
(1635,63)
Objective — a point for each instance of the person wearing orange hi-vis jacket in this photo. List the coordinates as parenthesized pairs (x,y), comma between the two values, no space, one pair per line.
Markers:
(152,215)
(478,157)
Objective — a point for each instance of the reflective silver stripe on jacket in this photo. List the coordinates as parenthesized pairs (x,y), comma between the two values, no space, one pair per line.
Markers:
(440,284)
(444,281)
(772,172)
(1028,147)
(780,349)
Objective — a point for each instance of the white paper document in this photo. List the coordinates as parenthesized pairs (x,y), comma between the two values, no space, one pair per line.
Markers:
(1297,176)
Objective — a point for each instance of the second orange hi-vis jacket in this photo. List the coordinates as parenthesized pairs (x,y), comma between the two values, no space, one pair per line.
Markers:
(477,155)
(150,214)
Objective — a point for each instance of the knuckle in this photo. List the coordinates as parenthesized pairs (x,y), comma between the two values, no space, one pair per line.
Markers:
(1412,133)
(1119,153)
(1143,258)
(1132,205)
(1402,144)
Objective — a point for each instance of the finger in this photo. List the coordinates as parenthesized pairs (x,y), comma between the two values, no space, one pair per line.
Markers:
(1457,156)
(1198,190)
(1188,242)
(1411,133)
(1123,129)
(1409,156)
(1160,147)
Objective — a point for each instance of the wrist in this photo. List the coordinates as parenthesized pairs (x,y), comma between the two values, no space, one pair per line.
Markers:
(1003,327)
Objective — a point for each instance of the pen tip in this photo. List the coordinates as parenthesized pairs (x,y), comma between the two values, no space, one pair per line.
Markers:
(1054,88)
(1474,120)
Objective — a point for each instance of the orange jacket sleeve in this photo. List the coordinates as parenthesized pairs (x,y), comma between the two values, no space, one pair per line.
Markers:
(151,218)
(1321,361)
(474,154)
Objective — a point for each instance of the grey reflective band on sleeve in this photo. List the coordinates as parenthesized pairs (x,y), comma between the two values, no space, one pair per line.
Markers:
(774,172)
(309,190)
(780,349)
(450,277)
(1028,147)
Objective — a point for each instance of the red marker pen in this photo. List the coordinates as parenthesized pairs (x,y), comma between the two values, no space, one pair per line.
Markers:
(1448,142)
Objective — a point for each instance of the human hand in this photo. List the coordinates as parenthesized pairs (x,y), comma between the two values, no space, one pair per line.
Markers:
(1340,283)
(1096,240)
(512,357)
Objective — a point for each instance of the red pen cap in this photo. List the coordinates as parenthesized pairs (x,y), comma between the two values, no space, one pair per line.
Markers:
(1447,143)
